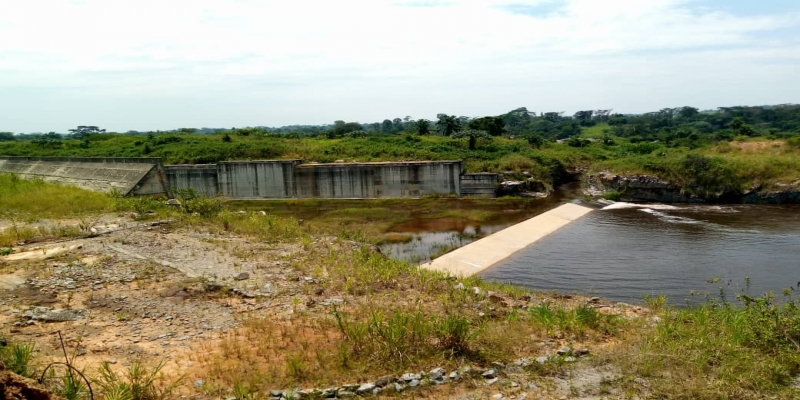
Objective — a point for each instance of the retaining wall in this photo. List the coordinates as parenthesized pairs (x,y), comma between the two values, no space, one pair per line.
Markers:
(138,176)
(479,185)
(257,179)
(202,178)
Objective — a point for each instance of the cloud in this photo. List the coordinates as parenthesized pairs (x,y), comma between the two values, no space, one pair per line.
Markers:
(364,59)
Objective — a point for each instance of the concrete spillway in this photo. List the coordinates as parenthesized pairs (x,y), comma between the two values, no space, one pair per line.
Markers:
(484,253)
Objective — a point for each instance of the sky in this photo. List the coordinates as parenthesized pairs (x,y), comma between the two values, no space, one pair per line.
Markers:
(166,64)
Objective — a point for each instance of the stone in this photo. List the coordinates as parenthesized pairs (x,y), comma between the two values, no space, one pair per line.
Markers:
(343,394)
(414,383)
(542,359)
(410,377)
(594,300)
(564,351)
(47,314)
(385,381)
(328,393)
(498,396)
(173,202)
(582,352)
(199,383)
(514,384)
(365,388)
(398,387)
(276,393)
(459,286)
(570,359)
(436,373)
(492,381)
(242,276)
(453,375)
(489,374)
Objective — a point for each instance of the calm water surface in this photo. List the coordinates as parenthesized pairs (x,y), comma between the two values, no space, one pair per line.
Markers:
(630,251)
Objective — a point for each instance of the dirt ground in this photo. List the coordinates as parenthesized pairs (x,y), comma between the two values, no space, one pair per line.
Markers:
(151,291)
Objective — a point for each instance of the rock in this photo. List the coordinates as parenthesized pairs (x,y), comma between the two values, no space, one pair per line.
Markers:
(398,387)
(276,393)
(414,383)
(522,362)
(199,383)
(385,381)
(570,359)
(489,374)
(328,393)
(410,377)
(492,381)
(47,314)
(309,280)
(453,375)
(242,276)
(542,360)
(593,300)
(564,351)
(365,388)
(498,396)
(459,286)
(582,352)
(343,394)
(514,384)
(436,373)
(173,202)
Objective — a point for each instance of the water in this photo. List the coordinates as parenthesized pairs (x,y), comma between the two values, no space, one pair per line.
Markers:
(627,251)
(433,237)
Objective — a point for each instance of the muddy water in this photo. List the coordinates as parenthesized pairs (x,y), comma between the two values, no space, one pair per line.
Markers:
(433,237)
(683,252)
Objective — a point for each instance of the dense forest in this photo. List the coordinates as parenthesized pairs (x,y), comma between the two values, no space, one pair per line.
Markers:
(728,149)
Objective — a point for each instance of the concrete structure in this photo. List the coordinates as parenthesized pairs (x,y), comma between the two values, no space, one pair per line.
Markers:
(479,185)
(257,179)
(267,179)
(378,180)
(134,176)
(202,178)
(484,253)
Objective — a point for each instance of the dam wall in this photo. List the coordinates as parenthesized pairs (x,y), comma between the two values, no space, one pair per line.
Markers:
(266,179)
(378,180)
(128,176)
(202,178)
(479,185)
(484,253)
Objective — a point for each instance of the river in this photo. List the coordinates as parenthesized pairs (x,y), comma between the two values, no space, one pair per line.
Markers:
(624,252)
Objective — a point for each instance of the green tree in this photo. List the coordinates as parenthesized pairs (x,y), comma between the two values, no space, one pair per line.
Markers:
(7,136)
(423,126)
(492,125)
(448,124)
(473,135)
(387,125)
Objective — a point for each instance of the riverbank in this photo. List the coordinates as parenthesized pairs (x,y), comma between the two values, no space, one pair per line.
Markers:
(198,287)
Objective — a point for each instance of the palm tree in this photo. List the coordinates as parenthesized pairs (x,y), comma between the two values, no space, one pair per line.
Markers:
(448,124)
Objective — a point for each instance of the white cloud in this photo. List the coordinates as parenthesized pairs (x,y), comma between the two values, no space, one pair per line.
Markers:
(317,60)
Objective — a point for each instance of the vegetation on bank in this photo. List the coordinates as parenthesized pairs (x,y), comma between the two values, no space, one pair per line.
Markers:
(399,318)
(734,148)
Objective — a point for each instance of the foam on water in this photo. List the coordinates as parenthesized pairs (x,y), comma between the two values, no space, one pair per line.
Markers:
(621,205)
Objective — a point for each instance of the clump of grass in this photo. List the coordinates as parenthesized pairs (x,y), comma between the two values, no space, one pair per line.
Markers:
(52,200)
(749,350)
(18,358)
(137,382)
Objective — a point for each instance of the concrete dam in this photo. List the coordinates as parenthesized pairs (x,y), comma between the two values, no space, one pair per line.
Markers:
(267,179)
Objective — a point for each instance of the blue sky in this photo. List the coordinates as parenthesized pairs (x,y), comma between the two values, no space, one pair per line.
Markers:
(152,64)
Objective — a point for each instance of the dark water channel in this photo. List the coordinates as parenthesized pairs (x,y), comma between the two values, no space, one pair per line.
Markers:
(623,253)
(683,252)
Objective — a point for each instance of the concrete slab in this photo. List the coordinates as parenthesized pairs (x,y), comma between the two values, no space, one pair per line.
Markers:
(484,253)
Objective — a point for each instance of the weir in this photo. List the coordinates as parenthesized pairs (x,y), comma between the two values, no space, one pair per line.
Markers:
(484,253)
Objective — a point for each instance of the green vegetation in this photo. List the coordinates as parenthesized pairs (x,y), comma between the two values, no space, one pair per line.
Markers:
(736,147)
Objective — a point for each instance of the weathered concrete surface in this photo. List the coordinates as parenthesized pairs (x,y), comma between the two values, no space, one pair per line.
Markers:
(257,179)
(378,179)
(479,185)
(202,178)
(141,176)
(484,253)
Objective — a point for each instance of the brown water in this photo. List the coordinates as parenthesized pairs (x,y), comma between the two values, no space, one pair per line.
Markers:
(433,237)
(683,252)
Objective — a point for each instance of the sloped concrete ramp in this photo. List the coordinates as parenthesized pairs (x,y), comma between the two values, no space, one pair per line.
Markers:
(126,175)
(484,253)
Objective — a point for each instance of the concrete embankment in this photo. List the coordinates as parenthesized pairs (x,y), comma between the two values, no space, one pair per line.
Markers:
(484,253)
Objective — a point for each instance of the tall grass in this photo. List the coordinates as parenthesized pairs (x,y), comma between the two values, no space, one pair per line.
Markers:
(35,199)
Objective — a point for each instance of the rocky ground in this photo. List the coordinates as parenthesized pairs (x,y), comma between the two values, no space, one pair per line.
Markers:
(152,291)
